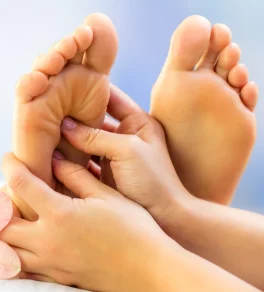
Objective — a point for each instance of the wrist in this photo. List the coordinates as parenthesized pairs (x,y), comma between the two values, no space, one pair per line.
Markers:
(177,219)
(187,221)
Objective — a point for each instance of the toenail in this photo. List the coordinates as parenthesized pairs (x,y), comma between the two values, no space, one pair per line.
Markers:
(58,155)
(69,124)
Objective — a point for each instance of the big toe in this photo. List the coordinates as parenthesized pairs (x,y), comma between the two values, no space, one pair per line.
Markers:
(102,53)
(188,43)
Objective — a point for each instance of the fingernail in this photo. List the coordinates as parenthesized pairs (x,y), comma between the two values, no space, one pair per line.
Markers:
(68,124)
(58,155)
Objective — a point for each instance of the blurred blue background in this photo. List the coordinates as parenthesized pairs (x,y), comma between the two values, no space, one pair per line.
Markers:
(30,27)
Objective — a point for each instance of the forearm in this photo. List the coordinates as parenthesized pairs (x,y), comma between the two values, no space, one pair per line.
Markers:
(231,238)
(179,270)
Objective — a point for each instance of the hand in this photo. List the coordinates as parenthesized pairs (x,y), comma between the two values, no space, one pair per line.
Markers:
(10,264)
(137,151)
(97,242)
(101,242)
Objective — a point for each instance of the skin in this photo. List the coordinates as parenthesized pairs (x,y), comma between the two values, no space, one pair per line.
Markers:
(231,238)
(207,112)
(71,79)
(159,209)
(149,259)
(85,52)
(130,151)
(9,261)
(99,204)
(153,184)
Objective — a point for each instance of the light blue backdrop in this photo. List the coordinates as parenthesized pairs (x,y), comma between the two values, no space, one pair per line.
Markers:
(29,27)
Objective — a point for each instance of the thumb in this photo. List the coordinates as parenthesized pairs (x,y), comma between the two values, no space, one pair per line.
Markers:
(78,179)
(10,264)
(97,142)
(6,210)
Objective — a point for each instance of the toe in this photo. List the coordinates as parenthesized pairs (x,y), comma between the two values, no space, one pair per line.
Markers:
(31,85)
(67,47)
(238,76)
(228,58)
(249,95)
(102,53)
(83,37)
(220,38)
(188,43)
(51,63)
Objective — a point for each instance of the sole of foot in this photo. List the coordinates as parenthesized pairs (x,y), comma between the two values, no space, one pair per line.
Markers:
(70,80)
(206,105)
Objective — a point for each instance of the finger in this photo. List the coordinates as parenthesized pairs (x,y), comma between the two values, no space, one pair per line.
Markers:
(95,141)
(110,125)
(25,210)
(10,264)
(94,169)
(95,159)
(34,277)
(107,174)
(26,186)
(121,105)
(19,233)
(78,179)
(71,153)
(15,210)
(6,210)
(30,262)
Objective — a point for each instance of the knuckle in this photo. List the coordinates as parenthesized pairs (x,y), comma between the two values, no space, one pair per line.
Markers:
(134,144)
(90,138)
(74,172)
(16,181)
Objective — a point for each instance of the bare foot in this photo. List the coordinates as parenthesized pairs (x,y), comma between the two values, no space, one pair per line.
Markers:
(70,80)
(205,103)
